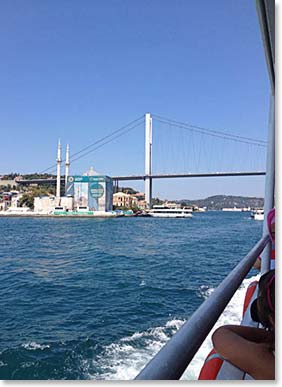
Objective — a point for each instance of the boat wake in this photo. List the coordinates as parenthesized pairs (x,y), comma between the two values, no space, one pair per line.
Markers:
(232,314)
(123,360)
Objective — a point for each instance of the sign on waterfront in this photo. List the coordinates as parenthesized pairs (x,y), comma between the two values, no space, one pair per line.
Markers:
(96,190)
(86,179)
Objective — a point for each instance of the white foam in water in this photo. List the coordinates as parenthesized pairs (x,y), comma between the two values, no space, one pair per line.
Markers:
(124,360)
(232,314)
(33,345)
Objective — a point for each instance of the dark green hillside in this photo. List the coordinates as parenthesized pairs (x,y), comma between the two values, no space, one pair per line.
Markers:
(223,201)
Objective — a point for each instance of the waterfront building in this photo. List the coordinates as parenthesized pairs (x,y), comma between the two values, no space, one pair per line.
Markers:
(9,200)
(3,206)
(67,202)
(15,199)
(91,190)
(45,204)
(122,199)
(6,183)
(141,202)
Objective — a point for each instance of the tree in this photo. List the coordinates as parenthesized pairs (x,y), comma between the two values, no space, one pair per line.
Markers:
(26,201)
(157,201)
(134,207)
(28,198)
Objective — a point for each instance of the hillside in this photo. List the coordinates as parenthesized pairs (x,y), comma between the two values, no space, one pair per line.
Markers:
(223,201)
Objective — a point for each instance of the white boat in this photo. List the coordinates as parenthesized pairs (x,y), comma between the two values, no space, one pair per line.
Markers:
(234,209)
(164,212)
(199,209)
(258,214)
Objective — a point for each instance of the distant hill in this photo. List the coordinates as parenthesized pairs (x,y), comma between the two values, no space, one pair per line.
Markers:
(224,201)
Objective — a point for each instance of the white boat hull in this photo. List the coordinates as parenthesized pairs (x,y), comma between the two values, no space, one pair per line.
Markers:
(159,215)
(258,216)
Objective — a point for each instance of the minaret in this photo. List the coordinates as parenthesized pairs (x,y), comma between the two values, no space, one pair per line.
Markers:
(67,165)
(58,192)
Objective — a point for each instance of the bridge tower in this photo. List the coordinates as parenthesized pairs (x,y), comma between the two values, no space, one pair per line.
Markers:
(58,191)
(148,159)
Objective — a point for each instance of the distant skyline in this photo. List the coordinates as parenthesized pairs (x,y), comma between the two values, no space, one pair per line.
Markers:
(80,70)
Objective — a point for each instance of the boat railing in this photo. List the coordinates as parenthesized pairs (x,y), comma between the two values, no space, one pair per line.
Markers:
(173,359)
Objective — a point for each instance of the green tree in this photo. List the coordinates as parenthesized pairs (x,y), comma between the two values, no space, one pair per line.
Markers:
(134,207)
(26,201)
(157,201)
(28,198)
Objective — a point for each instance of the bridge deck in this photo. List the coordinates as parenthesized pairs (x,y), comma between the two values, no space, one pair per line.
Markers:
(157,176)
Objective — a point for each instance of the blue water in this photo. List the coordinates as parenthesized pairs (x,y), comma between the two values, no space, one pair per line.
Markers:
(95,298)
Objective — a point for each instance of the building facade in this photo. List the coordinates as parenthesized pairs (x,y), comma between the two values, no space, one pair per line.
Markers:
(45,204)
(94,192)
(122,199)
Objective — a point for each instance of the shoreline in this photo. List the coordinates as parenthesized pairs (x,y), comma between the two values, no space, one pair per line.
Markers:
(57,216)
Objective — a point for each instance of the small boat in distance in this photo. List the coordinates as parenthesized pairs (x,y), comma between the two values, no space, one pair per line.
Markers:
(257,214)
(234,209)
(199,209)
(166,212)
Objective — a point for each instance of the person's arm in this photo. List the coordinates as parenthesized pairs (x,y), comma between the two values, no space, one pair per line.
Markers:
(247,348)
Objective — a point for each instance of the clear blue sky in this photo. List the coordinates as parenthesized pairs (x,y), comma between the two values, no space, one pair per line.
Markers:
(80,69)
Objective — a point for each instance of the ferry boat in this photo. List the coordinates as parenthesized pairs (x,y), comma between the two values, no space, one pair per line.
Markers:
(173,359)
(166,212)
(258,214)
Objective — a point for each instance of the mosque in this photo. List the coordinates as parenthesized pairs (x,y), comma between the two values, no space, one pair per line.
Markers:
(88,192)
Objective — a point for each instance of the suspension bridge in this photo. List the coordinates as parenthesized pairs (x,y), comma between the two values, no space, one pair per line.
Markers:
(195,154)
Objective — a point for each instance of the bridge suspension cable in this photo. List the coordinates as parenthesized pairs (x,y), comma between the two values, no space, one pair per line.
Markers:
(188,148)
(194,129)
(209,132)
(102,141)
(106,142)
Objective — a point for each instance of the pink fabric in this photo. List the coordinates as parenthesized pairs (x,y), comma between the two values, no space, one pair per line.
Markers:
(270,221)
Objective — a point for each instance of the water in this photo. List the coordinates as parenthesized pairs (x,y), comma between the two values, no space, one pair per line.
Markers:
(96,298)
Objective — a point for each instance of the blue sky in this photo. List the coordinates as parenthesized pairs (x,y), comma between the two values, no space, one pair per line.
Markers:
(79,70)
